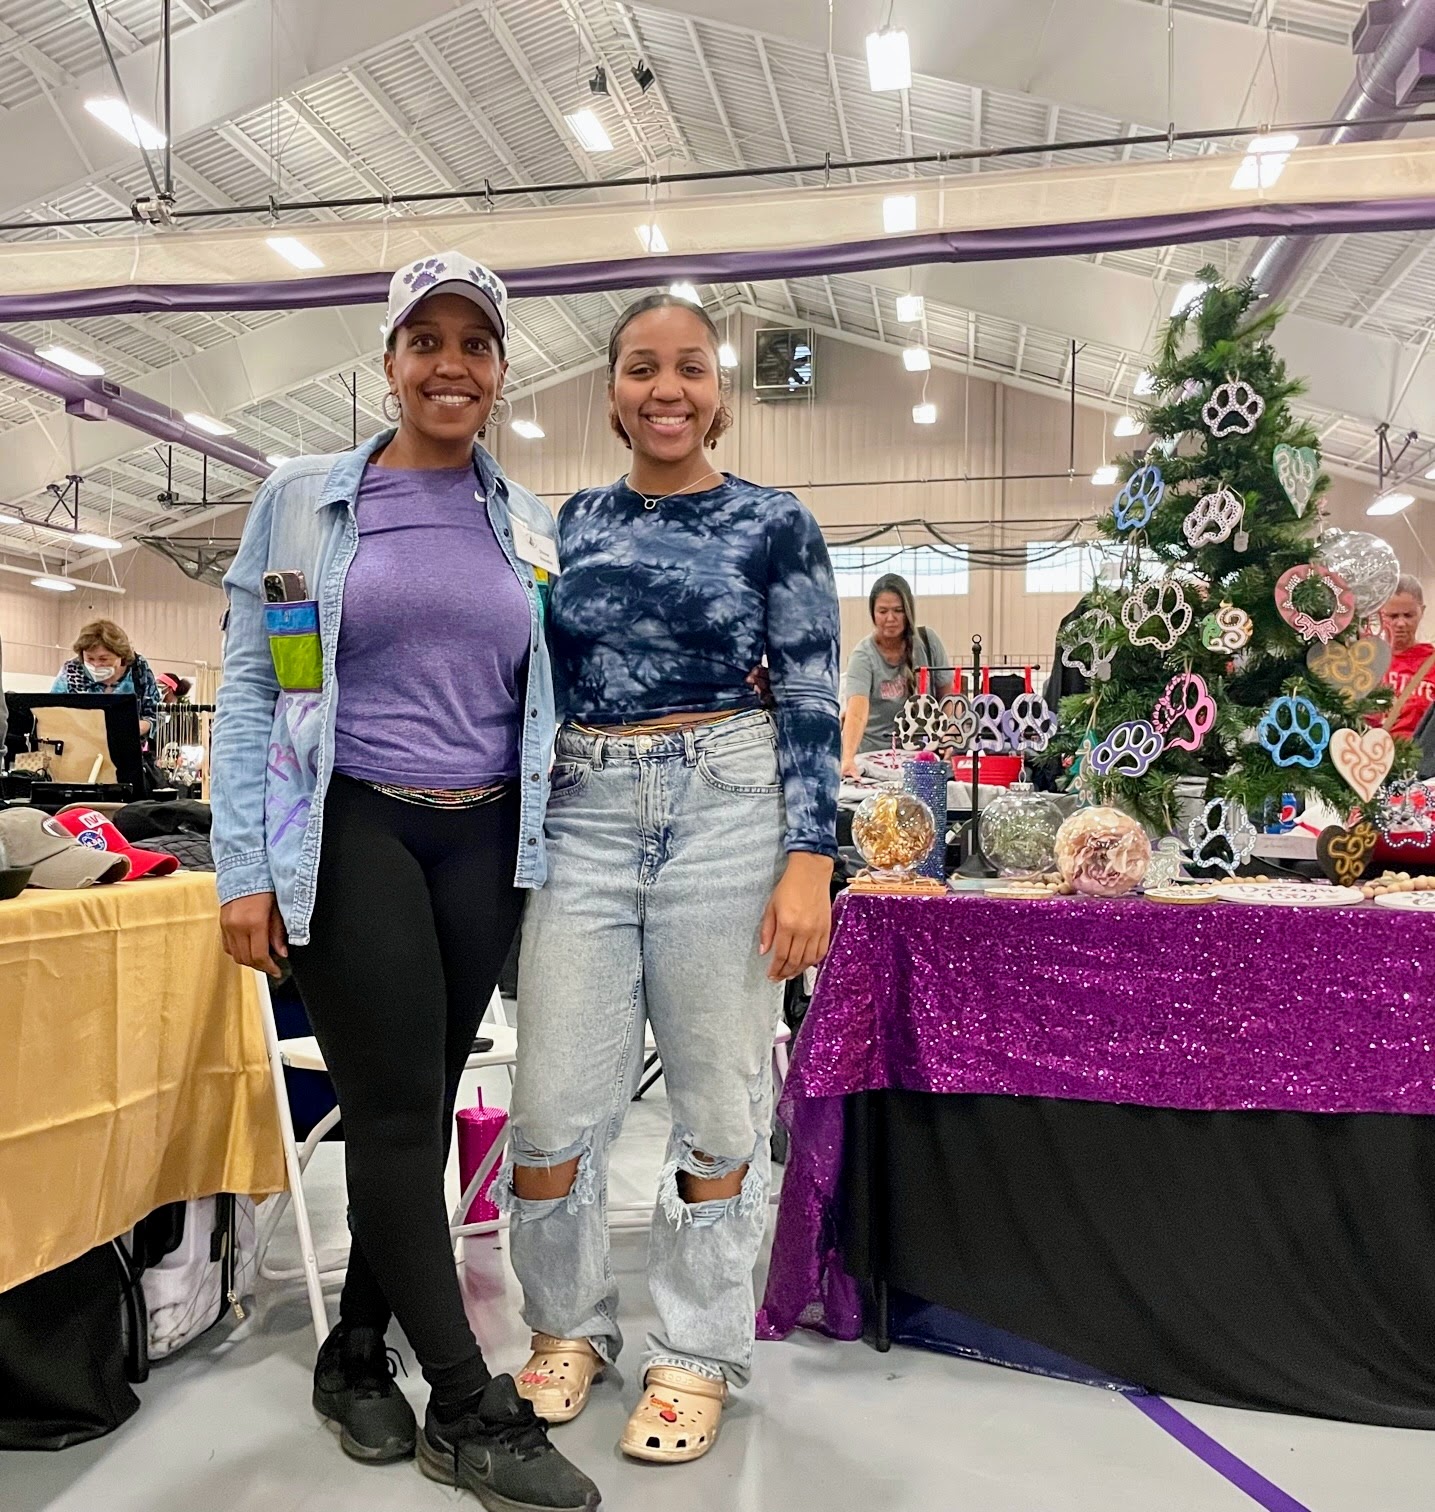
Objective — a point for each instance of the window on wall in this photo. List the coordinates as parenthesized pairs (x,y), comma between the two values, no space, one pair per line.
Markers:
(931,570)
(1054,567)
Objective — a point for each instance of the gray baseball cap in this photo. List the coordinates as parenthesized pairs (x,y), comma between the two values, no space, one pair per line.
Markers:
(32,838)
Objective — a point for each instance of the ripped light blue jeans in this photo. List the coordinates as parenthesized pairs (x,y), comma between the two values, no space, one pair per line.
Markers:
(663,852)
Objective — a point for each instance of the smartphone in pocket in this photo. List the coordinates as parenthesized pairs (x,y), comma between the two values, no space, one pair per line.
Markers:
(285,587)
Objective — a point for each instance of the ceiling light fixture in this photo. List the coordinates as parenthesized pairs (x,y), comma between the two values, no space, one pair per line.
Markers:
(727,355)
(530,430)
(1105,476)
(53,584)
(652,238)
(1127,425)
(1145,384)
(276,459)
(1391,504)
(899,213)
(685,291)
(889,60)
(585,125)
(598,84)
(924,414)
(71,361)
(910,308)
(207,423)
(292,250)
(96,542)
(124,122)
(1431,474)
(90,538)
(916,359)
(1265,161)
(642,76)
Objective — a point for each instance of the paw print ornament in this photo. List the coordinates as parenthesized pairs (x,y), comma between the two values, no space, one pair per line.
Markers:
(1140,498)
(991,723)
(1186,699)
(921,725)
(1234,409)
(1165,603)
(1306,625)
(1297,468)
(1221,836)
(1213,519)
(1129,750)
(1166,864)
(1029,723)
(1082,651)
(961,721)
(1405,812)
(1294,731)
(1228,629)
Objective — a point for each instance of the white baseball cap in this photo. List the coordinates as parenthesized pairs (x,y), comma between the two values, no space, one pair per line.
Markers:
(446,273)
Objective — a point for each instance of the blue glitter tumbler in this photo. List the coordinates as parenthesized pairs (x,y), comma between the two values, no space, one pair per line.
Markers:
(928,780)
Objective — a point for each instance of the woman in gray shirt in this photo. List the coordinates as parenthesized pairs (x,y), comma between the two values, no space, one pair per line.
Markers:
(882,673)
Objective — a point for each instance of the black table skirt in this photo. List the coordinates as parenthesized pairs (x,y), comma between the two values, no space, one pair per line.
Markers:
(1282,1261)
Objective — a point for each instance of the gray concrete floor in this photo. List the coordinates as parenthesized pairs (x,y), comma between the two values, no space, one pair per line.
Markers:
(226,1426)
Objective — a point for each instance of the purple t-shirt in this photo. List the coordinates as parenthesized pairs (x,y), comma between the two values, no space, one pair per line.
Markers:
(433,646)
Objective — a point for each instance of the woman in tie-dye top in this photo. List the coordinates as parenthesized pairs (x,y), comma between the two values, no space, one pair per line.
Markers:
(691,837)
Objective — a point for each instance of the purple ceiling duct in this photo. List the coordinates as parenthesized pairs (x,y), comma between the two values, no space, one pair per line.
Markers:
(99,399)
(1373,92)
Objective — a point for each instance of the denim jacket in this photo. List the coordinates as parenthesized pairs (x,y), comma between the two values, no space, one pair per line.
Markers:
(272,750)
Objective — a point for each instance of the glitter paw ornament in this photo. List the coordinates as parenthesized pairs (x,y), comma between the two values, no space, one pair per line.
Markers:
(1214,518)
(1102,853)
(1228,629)
(991,723)
(1295,719)
(1140,498)
(1082,651)
(1029,723)
(1222,836)
(1129,750)
(1363,758)
(1405,812)
(1164,602)
(1166,865)
(1297,468)
(1305,625)
(1353,669)
(1343,853)
(1234,409)
(961,721)
(1186,698)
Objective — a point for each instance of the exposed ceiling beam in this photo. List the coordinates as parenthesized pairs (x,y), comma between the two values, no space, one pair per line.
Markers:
(336,147)
(444,173)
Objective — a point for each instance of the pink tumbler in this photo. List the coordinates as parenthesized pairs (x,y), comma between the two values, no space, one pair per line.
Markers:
(479,1129)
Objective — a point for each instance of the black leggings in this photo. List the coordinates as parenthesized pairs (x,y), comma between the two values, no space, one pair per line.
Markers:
(414,915)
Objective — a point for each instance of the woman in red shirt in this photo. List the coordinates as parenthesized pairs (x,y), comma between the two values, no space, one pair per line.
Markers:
(1411,659)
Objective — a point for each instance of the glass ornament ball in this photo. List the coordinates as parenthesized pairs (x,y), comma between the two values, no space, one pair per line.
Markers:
(1018,832)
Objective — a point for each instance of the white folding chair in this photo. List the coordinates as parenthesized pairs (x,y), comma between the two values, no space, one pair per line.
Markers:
(303,1054)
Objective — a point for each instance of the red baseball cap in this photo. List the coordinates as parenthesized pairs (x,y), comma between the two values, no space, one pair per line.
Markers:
(95,831)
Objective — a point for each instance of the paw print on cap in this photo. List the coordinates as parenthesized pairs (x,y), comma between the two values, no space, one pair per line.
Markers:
(424,275)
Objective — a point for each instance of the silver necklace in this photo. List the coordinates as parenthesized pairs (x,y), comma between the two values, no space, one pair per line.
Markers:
(656,499)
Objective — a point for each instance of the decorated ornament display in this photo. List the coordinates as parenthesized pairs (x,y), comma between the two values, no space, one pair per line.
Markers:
(1302,623)
(1102,852)
(1082,651)
(1234,409)
(1018,832)
(1129,750)
(1029,723)
(1294,719)
(1228,629)
(1367,565)
(1163,601)
(895,832)
(961,721)
(1140,498)
(1297,468)
(1363,758)
(1186,698)
(1354,668)
(1405,813)
(1166,865)
(1343,853)
(1213,519)
(1222,836)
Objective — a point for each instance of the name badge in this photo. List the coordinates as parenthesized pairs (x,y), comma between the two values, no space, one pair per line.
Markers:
(537,550)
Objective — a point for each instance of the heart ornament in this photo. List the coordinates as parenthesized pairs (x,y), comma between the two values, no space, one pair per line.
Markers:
(1186,698)
(1343,853)
(1354,669)
(1363,758)
(1297,468)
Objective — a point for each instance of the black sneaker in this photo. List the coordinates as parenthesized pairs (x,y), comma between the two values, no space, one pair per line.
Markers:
(501,1453)
(354,1387)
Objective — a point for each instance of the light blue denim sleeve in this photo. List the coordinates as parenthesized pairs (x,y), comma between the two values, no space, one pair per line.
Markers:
(248,695)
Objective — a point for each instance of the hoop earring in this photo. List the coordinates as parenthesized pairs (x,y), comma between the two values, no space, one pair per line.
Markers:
(500,414)
(393,415)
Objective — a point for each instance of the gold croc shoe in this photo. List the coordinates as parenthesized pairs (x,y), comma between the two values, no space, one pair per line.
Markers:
(677,1417)
(559,1376)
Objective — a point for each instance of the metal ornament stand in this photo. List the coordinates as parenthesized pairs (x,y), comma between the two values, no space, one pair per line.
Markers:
(976,864)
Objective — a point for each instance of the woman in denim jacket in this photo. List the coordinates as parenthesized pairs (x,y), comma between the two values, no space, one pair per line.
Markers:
(380,831)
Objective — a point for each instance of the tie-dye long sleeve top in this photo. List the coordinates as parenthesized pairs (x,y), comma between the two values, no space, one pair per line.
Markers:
(667,611)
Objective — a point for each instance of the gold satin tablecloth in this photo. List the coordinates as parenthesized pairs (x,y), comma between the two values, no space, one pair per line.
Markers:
(132,1066)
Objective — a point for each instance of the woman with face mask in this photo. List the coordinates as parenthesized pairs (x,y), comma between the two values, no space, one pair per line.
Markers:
(380,772)
(106,662)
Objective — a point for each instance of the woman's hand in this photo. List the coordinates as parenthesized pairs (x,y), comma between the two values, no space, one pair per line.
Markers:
(849,768)
(254,933)
(797,924)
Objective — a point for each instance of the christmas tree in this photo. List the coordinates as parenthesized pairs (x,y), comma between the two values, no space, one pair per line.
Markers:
(1228,651)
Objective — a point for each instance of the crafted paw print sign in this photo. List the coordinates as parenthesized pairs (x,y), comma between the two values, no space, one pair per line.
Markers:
(1221,836)
(922,724)
(1356,670)
(990,713)
(1341,613)
(1406,812)
(1029,723)
(1214,518)
(1083,650)
(1129,750)
(1186,699)
(1294,731)
(1162,602)
(1140,498)
(1297,468)
(1234,408)
(961,721)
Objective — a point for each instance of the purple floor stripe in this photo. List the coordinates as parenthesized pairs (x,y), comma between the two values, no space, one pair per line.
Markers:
(1261,1491)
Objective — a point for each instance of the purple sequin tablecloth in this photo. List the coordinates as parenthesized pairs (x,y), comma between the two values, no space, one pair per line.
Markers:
(1220,1006)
